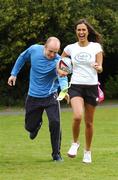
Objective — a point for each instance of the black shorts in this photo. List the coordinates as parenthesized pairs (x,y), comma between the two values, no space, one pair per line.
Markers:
(88,92)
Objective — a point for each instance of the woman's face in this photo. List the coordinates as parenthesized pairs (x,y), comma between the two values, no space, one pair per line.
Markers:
(82,32)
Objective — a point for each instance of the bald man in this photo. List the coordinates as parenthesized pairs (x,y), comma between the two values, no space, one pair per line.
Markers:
(43,87)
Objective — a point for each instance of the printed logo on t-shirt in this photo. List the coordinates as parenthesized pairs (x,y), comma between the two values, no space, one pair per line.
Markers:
(83,58)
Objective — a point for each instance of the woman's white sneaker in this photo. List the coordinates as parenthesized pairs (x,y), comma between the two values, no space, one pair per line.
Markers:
(73,150)
(87,157)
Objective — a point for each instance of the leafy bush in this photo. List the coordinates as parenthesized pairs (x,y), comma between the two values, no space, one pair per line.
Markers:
(111,87)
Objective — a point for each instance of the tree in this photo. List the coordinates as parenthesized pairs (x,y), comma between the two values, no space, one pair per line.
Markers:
(25,22)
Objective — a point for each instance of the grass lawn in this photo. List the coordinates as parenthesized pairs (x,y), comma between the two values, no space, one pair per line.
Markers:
(24,159)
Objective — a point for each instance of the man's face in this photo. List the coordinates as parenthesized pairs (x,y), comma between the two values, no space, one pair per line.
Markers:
(51,50)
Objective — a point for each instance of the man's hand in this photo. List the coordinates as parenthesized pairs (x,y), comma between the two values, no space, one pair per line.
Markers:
(67,97)
(12,80)
(63,95)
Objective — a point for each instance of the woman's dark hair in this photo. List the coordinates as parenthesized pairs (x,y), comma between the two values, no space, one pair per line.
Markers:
(93,36)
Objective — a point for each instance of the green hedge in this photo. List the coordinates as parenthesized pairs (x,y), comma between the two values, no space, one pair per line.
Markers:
(111,87)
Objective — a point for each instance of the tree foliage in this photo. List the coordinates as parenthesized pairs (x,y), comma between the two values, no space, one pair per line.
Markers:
(25,22)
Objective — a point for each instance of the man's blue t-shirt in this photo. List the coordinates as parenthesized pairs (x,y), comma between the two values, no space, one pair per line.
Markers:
(43,76)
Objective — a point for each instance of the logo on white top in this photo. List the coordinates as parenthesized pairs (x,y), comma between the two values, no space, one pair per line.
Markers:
(83,57)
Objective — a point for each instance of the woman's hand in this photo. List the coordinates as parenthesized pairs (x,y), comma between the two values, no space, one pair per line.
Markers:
(61,72)
(97,67)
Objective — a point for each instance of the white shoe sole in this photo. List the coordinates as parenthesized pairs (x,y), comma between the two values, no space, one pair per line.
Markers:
(71,156)
(86,162)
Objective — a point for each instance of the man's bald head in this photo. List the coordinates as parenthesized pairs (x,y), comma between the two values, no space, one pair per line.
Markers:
(52,46)
(53,42)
